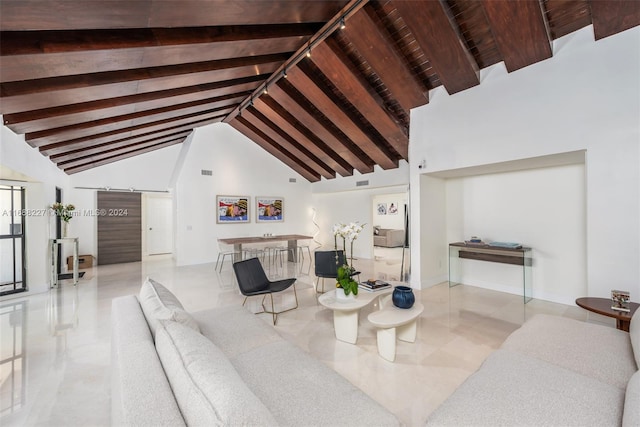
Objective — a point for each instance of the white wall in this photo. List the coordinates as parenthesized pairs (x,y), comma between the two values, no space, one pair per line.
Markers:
(149,171)
(585,97)
(44,177)
(346,207)
(240,167)
(540,208)
(389,220)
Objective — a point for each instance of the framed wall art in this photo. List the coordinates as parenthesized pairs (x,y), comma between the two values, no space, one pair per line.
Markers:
(232,209)
(269,209)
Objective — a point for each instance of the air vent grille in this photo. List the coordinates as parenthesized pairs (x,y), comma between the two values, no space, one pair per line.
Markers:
(207,172)
(362,183)
(292,180)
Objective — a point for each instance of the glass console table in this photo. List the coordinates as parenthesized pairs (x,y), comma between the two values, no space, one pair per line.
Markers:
(53,250)
(521,256)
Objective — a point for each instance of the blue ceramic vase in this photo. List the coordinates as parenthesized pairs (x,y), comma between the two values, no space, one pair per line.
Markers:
(403,297)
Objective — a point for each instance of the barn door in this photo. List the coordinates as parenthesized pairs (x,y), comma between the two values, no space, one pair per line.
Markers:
(119,227)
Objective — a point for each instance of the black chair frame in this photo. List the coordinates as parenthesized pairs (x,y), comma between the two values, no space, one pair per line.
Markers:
(253,281)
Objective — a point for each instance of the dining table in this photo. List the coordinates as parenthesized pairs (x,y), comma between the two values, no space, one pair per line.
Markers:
(292,240)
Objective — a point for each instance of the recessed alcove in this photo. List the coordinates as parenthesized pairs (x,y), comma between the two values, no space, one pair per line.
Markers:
(539,202)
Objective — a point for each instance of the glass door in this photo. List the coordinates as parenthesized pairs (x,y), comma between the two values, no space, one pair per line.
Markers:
(12,238)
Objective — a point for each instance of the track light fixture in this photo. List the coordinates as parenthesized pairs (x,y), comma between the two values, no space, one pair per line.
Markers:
(338,23)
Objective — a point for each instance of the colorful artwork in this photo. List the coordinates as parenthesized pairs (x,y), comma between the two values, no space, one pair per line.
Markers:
(232,209)
(269,209)
(393,209)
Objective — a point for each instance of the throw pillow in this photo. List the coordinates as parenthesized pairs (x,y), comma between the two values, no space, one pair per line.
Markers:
(376,230)
(158,303)
(207,387)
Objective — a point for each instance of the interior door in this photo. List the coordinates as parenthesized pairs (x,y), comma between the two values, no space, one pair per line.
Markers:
(119,227)
(159,221)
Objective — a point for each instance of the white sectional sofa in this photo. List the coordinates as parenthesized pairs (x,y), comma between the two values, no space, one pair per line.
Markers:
(221,367)
(553,371)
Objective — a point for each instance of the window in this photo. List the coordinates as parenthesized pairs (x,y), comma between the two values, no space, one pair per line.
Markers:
(12,238)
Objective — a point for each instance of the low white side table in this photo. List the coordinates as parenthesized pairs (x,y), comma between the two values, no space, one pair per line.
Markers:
(53,246)
(393,322)
(345,313)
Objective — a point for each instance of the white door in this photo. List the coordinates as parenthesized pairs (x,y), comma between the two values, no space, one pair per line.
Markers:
(159,230)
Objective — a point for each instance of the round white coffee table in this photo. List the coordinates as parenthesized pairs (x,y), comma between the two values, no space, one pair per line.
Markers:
(345,313)
(393,322)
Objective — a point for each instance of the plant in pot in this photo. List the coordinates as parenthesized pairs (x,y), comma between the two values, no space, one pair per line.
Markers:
(65,212)
(345,284)
(345,280)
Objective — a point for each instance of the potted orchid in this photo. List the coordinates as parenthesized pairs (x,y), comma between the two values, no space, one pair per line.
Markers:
(65,212)
(344,281)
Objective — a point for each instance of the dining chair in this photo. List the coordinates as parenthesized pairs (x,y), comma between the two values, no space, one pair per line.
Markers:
(224,254)
(326,266)
(252,281)
(300,252)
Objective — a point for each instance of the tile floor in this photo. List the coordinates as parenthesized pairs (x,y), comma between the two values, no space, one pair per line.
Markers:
(55,347)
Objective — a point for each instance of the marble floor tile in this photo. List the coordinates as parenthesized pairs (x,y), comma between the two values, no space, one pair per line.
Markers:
(55,346)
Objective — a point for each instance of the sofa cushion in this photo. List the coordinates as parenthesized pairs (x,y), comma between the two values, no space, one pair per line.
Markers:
(597,351)
(279,373)
(235,330)
(634,334)
(158,303)
(208,389)
(140,392)
(631,415)
(514,389)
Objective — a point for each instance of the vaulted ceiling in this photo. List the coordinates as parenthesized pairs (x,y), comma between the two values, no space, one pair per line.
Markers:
(93,82)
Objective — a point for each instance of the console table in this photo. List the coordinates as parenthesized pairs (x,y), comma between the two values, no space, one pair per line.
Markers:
(53,248)
(521,257)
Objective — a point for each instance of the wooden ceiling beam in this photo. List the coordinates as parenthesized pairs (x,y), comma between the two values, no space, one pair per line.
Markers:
(164,129)
(353,88)
(204,71)
(74,113)
(441,42)
(105,161)
(373,43)
(128,121)
(63,15)
(266,126)
(319,98)
(69,106)
(58,121)
(244,127)
(105,154)
(97,149)
(520,30)
(55,97)
(49,42)
(22,67)
(336,141)
(611,17)
(279,116)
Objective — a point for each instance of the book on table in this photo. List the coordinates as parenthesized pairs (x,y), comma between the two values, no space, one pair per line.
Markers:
(374,285)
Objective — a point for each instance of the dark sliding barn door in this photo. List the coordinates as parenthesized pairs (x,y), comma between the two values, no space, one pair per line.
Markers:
(119,227)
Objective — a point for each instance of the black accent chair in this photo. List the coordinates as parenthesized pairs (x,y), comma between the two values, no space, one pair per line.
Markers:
(326,266)
(252,281)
